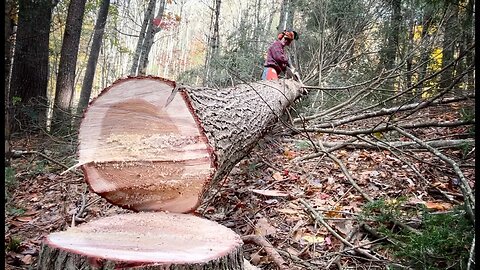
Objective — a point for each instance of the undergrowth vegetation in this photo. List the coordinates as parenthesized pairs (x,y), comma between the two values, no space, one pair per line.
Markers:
(443,239)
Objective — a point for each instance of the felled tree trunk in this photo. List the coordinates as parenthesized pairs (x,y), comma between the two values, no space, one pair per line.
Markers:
(146,148)
(142,155)
(144,241)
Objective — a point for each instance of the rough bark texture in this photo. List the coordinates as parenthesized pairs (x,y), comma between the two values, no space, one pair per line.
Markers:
(235,118)
(450,40)
(144,241)
(147,20)
(30,66)
(65,84)
(93,57)
(8,34)
(142,155)
(152,30)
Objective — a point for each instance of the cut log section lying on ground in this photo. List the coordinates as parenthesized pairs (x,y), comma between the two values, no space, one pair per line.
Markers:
(142,155)
(144,241)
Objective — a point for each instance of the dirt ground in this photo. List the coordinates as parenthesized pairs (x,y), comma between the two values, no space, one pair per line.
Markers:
(264,195)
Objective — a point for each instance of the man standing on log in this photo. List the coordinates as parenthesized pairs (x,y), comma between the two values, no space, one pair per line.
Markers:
(277,60)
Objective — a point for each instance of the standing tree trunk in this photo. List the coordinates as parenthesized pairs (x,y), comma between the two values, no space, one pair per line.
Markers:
(426,48)
(9,24)
(147,20)
(152,30)
(286,19)
(141,155)
(61,121)
(29,79)
(389,52)
(450,40)
(466,41)
(393,32)
(469,38)
(213,41)
(93,57)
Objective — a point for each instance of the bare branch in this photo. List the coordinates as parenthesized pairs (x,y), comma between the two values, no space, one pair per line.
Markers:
(386,127)
(464,185)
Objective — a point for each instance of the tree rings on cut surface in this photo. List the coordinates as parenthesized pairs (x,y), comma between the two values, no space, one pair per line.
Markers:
(145,240)
(140,154)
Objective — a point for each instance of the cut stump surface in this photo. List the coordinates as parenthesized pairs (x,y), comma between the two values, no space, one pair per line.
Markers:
(144,240)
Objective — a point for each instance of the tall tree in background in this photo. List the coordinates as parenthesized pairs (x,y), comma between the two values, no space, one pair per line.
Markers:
(450,40)
(467,40)
(213,40)
(427,24)
(9,31)
(66,71)
(286,16)
(29,80)
(93,57)
(390,49)
(147,20)
(392,35)
(152,29)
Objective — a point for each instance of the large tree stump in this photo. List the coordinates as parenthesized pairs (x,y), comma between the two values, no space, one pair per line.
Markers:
(145,156)
(144,241)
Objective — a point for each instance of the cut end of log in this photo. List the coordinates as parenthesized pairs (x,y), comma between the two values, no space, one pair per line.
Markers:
(143,239)
(140,154)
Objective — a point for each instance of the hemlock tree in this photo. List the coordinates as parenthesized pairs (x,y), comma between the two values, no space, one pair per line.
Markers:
(9,24)
(450,40)
(138,50)
(93,57)
(213,41)
(29,79)
(152,30)
(66,71)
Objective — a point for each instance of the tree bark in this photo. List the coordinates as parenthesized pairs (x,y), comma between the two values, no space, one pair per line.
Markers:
(147,20)
(144,241)
(152,30)
(9,32)
(466,39)
(450,41)
(141,155)
(286,16)
(213,41)
(68,62)
(30,65)
(392,34)
(93,57)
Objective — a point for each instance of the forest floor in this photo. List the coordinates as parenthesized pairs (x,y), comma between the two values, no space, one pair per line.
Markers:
(270,194)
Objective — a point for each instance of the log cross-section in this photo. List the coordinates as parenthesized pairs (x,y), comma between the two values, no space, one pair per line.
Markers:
(142,154)
(144,241)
